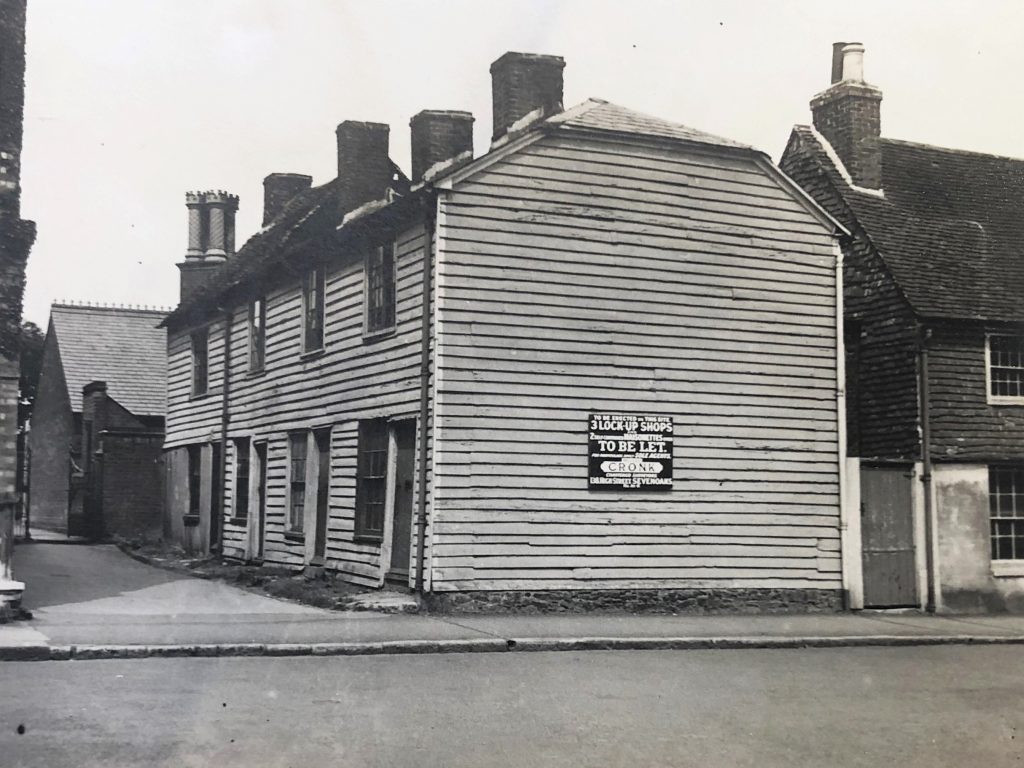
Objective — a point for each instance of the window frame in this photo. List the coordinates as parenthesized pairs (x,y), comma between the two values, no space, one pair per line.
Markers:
(257,335)
(1013,565)
(1001,399)
(389,288)
(242,479)
(195,336)
(194,473)
(295,522)
(373,444)
(314,285)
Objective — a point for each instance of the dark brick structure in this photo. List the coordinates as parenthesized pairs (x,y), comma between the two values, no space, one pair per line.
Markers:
(122,468)
(439,136)
(16,234)
(522,83)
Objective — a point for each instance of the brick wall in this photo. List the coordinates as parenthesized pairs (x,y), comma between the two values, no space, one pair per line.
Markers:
(849,116)
(132,483)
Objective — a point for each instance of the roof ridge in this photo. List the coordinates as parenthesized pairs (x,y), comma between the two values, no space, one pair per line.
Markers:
(111,307)
(952,150)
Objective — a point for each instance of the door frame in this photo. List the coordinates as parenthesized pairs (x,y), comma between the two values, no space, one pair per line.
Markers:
(256,529)
(389,498)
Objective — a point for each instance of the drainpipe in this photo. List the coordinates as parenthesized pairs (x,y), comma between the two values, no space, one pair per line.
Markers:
(926,465)
(225,418)
(430,211)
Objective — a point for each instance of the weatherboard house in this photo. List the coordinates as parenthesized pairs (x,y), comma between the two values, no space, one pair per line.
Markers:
(598,366)
(95,445)
(934,300)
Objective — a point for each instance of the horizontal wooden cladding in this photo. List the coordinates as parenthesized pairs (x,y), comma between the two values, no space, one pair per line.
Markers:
(578,277)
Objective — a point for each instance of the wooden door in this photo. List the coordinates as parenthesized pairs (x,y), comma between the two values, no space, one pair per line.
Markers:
(887,533)
(405,470)
(261,498)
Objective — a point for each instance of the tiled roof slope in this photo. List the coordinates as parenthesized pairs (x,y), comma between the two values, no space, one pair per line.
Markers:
(310,215)
(315,214)
(596,114)
(949,226)
(118,345)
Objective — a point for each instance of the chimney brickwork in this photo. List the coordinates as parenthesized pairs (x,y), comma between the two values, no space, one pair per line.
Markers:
(439,136)
(848,115)
(279,189)
(211,237)
(522,83)
(364,166)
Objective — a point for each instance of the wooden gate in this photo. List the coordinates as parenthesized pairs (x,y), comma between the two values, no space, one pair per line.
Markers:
(887,533)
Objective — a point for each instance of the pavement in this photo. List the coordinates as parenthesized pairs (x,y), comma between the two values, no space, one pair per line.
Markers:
(93,601)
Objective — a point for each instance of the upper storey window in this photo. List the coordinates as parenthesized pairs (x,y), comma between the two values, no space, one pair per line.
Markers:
(200,362)
(313,289)
(1005,354)
(379,303)
(257,333)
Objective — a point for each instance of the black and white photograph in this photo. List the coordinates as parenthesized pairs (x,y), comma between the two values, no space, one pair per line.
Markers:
(466,384)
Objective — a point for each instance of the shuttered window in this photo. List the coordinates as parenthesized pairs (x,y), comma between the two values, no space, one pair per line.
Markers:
(1006,367)
(297,455)
(1006,508)
(380,289)
(371,478)
(313,287)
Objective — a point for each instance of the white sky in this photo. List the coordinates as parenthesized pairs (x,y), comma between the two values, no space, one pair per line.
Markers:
(130,103)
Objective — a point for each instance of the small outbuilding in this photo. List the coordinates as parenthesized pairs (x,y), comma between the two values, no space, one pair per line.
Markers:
(97,427)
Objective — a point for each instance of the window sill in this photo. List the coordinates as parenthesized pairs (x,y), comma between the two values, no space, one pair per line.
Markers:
(1007,568)
(190,521)
(239,521)
(312,354)
(368,538)
(297,537)
(369,337)
(199,395)
(256,373)
(1005,400)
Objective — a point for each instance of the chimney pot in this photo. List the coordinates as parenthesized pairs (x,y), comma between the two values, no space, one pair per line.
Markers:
(853,62)
(438,136)
(279,189)
(522,83)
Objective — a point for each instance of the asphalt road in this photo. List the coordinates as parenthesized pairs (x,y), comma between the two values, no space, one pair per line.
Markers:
(937,706)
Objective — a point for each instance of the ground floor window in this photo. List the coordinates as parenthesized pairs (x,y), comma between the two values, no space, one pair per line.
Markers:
(1006,508)
(241,510)
(195,478)
(298,447)
(371,478)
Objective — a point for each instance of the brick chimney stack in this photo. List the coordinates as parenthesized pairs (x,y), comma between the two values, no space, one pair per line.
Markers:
(279,189)
(848,115)
(439,136)
(364,167)
(211,237)
(522,83)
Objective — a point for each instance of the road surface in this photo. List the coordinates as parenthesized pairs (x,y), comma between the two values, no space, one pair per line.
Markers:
(921,706)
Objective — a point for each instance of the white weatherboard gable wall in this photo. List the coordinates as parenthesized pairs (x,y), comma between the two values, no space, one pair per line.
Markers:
(581,275)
